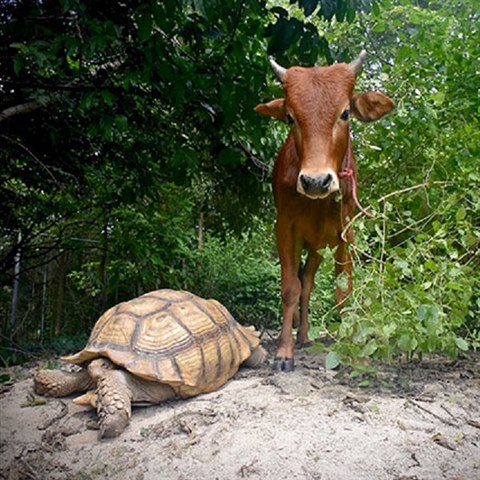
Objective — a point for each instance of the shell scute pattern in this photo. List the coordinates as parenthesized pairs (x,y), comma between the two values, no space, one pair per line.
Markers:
(172,337)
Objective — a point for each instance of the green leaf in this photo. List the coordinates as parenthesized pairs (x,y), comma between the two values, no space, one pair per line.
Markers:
(144,25)
(438,98)
(18,65)
(328,9)
(351,12)
(108,97)
(461,214)
(427,312)
(380,234)
(368,349)
(379,27)
(342,281)
(230,157)
(308,6)
(406,343)
(284,34)
(431,265)
(121,122)
(461,344)
(426,285)
(332,361)
(88,100)
(405,52)
(200,7)
(73,63)
(19,46)
(184,159)
(316,348)
(341,10)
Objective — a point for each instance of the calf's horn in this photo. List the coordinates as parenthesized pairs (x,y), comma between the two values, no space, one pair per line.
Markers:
(356,65)
(278,69)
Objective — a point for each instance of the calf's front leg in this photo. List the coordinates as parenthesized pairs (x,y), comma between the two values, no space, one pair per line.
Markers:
(289,253)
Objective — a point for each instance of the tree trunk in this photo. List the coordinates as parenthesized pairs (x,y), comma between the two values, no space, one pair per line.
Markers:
(102,299)
(16,290)
(201,220)
(62,274)
(43,312)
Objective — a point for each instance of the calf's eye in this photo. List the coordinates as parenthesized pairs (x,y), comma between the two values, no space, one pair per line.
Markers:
(345,114)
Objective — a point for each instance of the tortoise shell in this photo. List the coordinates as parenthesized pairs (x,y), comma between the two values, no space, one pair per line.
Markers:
(173,337)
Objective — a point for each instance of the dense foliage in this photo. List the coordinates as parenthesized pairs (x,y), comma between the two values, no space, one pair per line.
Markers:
(419,285)
(132,160)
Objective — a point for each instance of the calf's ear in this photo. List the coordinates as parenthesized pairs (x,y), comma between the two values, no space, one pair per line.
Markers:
(275,108)
(371,106)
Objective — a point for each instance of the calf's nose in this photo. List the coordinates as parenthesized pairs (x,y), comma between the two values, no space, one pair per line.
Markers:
(316,185)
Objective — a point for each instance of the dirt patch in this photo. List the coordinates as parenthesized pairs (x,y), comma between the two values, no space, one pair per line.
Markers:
(419,421)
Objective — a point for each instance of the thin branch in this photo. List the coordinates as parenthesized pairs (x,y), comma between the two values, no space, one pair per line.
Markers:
(347,227)
(255,160)
(33,156)
(363,253)
(46,86)
(20,109)
(393,194)
(29,235)
(426,410)
(416,187)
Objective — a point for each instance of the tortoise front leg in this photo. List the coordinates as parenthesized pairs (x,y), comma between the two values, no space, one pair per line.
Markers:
(116,390)
(113,397)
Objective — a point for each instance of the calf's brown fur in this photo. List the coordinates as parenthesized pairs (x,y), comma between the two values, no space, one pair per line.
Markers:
(312,195)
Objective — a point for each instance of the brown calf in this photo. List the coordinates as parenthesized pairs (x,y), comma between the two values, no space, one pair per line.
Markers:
(314,182)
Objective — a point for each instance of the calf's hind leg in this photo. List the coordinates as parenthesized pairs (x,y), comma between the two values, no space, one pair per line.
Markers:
(343,266)
(307,278)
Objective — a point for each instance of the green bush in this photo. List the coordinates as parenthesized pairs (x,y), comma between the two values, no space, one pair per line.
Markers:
(413,293)
(240,272)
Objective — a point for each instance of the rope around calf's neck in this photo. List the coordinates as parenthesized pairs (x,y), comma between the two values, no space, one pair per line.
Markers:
(348,171)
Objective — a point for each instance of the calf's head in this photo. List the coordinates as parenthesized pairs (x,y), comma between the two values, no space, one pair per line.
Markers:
(319,102)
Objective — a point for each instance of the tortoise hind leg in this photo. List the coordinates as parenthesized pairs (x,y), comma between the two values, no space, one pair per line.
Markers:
(56,383)
(256,358)
(116,391)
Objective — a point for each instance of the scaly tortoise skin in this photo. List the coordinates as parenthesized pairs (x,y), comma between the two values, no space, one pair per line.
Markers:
(168,343)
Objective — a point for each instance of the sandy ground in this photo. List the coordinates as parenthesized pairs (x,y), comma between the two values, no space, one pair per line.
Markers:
(419,421)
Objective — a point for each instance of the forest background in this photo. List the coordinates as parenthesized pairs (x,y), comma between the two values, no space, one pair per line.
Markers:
(132,160)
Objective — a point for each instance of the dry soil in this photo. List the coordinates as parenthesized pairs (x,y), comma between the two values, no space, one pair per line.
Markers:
(415,421)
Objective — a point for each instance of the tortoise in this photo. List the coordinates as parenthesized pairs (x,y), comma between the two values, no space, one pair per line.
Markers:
(161,345)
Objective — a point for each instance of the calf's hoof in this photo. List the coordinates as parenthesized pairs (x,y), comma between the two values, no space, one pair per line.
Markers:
(283,364)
